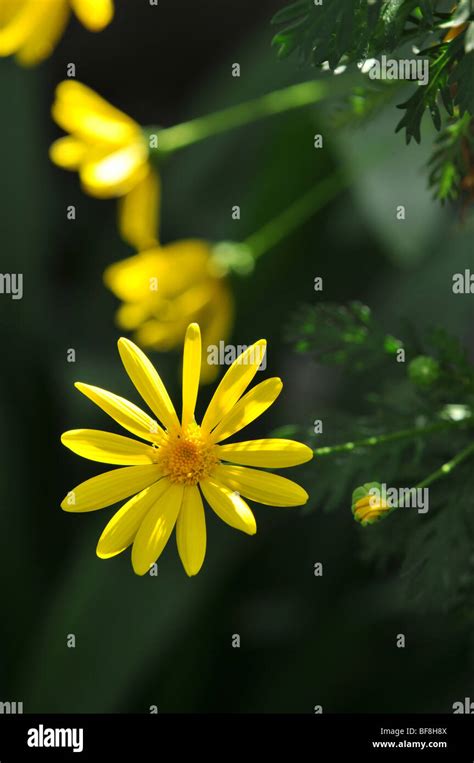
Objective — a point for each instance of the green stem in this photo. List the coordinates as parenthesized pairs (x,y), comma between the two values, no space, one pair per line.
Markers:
(277,102)
(403,434)
(296,214)
(301,210)
(443,471)
(448,467)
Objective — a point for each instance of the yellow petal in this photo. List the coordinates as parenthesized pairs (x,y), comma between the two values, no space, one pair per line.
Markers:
(261,487)
(148,382)
(41,42)
(191,371)
(234,383)
(268,453)
(138,213)
(110,487)
(82,112)
(228,506)
(128,415)
(94,14)
(156,528)
(132,279)
(120,532)
(191,531)
(104,174)
(186,263)
(173,268)
(161,335)
(30,19)
(8,10)
(131,316)
(68,152)
(107,448)
(249,408)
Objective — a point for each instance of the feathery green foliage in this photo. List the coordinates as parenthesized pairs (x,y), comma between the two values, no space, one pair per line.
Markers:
(341,33)
(415,415)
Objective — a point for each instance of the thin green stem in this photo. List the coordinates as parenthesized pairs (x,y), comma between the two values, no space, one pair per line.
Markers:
(296,214)
(448,467)
(301,210)
(276,102)
(403,434)
(443,471)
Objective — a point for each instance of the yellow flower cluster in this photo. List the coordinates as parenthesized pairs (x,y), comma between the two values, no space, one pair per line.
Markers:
(162,288)
(176,462)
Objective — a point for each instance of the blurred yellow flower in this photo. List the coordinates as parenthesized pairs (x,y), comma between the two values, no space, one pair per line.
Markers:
(111,154)
(181,461)
(164,289)
(32,28)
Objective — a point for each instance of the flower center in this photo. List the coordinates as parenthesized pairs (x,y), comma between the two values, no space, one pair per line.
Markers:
(186,456)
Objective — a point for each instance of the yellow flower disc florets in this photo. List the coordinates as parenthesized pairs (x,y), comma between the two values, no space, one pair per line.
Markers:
(187,456)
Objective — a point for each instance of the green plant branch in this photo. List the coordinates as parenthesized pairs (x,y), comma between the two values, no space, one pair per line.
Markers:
(443,471)
(299,212)
(448,467)
(277,102)
(403,434)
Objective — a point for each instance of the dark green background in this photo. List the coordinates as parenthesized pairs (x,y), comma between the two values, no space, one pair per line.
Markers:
(166,641)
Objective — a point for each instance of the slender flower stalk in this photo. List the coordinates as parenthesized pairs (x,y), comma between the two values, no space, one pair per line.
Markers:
(277,102)
(448,467)
(403,434)
(299,212)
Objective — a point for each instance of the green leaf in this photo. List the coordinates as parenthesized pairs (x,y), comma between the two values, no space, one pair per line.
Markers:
(463,77)
(426,96)
(292,12)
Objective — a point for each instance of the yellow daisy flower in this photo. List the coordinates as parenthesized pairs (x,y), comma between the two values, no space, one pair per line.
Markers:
(181,462)
(111,154)
(165,288)
(32,28)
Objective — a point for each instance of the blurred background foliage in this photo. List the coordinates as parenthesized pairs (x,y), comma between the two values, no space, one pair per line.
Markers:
(166,640)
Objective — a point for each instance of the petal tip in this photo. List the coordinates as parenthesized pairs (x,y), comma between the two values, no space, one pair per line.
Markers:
(139,567)
(126,345)
(304,497)
(138,571)
(193,332)
(66,506)
(101,553)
